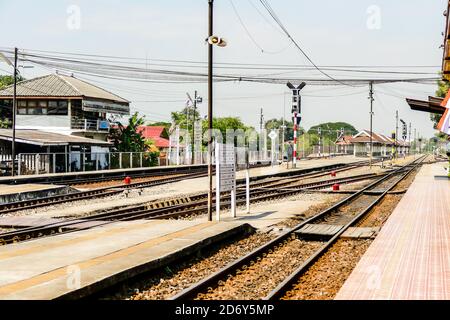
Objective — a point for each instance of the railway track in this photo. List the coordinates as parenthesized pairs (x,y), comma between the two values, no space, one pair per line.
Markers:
(91,194)
(112,190)
(269,271)
(180,207)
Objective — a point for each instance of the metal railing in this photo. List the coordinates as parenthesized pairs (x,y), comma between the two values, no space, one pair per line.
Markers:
(90,125)
(44,163)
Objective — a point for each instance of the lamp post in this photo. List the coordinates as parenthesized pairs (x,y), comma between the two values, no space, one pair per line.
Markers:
(212,40)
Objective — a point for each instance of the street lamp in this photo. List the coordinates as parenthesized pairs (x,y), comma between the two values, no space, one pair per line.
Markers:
(212,40)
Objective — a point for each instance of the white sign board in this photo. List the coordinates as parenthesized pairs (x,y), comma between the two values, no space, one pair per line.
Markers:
(225,175)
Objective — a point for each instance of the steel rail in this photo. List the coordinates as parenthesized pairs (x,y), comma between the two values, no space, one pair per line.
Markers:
(211,280)
(283,287)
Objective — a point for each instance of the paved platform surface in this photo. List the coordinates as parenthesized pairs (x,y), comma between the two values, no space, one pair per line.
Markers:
(410,258)
(74,264)
(14,193)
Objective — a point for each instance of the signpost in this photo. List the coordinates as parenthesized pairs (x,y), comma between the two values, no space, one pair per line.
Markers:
(177,142)
(225,175)
(273,136)
(197,142)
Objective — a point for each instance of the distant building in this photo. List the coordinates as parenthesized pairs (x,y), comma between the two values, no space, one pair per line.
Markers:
(64,105)
(382,146)
(344,145)
(62,115)
(158,134)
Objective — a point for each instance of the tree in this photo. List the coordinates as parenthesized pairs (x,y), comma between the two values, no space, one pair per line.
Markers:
(129,139)
(288,131)
(185,117)
(329,129)
(164,124)
(8,80)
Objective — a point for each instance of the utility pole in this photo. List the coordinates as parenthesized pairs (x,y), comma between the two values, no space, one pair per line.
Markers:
(319,132)
(261,121)
(371,115)
(210,107)
(283,127)
(409,138)
(396,132)
(415,141)
(14,111)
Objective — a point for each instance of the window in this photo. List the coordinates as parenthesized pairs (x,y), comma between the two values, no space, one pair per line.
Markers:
(32,107)
(22,107)
(62,107)
(42,107)
(58,107)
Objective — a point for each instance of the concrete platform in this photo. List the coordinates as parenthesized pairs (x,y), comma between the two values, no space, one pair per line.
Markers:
(76,264)
(16,193)
(410,257)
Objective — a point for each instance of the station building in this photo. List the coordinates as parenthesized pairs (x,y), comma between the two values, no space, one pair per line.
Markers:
(62,115)
(382,146)
(344,145)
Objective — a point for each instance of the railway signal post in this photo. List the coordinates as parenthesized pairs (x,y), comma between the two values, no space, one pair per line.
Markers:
(296,110)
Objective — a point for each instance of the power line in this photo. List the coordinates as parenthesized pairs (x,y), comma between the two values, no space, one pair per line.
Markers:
(280,24)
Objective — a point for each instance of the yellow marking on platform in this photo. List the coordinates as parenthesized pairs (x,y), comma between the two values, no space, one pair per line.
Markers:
(119,229)
(62,271)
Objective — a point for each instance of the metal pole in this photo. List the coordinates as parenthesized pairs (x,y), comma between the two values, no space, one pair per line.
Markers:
(283,127)
(396,132)
(14,111)
(409,138)
(371,114)
(210,107)
(294,152)
(193,126)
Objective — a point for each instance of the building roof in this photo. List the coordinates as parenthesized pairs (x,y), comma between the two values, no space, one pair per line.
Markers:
(344,140)
(44,138)
(156,133)
(57,85)
(364,137)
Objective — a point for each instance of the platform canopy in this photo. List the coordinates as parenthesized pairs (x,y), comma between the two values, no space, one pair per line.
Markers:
(43,138)
(433,105)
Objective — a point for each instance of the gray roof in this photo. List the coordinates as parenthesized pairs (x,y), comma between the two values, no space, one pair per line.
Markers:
(44,138)
(57,85)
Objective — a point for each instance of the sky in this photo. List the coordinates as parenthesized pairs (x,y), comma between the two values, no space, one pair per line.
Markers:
(350,32)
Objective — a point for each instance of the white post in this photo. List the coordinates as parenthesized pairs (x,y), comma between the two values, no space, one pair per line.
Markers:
(233,200)
(131,159)
(217,153)
(178,144)
(19,166)
(247,190)
(141,159)
(120,160)
(109,160)
(83,157)
(38,160)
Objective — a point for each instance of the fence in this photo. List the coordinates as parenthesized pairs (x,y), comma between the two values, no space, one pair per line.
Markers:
(41,163)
